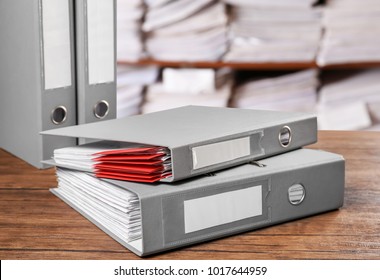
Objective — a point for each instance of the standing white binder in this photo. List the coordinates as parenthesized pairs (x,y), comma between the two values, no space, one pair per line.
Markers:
(37,80)
(96,59)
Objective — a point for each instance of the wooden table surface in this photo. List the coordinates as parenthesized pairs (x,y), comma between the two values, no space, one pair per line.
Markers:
(34,224)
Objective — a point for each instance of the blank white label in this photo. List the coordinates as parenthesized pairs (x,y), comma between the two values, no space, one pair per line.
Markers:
(56,43)
(101,56)
(219,209)
(208,155)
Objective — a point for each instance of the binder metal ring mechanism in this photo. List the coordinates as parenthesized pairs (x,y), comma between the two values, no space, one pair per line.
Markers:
(183,142)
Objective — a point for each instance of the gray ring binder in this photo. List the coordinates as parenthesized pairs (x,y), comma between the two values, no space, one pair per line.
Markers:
(237,200)
(205,139)
(37,68)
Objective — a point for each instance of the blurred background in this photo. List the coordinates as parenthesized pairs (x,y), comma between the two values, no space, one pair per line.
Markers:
(289,55)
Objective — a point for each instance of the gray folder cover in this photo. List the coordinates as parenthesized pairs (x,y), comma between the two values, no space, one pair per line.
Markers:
(205,139)
(183,213)
(37,80)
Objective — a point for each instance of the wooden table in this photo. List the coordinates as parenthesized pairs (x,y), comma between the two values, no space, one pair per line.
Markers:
(34,224)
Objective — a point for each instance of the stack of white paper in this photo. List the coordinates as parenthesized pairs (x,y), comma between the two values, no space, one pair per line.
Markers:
(186,30)
(129,20)
(290,92)
(350,100)
(352,32)
(212,88)
(274,31)
(130,86)
(117,209)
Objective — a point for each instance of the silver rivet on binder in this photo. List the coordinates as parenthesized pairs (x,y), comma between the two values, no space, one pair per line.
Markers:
(296,194)
(101,109)
(285,136)
(59,115)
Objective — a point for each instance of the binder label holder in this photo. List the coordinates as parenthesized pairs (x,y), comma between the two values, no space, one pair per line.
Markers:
(207,155)
(100,26)
(56,45)
(214,211)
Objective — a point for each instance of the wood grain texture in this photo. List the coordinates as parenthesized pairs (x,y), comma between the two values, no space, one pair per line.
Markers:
(34,224)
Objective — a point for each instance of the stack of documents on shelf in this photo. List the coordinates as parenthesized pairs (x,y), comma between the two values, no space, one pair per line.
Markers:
(129,38)
(274,31)
(352,32)
(131,81)
(186,30)
(350,100)
(181,87)
(240,195)
(290,92)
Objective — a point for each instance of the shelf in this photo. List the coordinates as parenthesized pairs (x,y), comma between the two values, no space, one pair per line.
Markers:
(220,64)
(352,66)
(250,66)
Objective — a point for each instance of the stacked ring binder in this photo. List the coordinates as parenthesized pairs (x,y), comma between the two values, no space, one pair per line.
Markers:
(204,139)
(232,201)
(261,174)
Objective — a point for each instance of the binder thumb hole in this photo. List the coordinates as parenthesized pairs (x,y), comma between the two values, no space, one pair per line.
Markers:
(101,109)
(285,136)
(59,115)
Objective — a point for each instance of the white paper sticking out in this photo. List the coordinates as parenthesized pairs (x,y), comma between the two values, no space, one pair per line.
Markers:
(215,210)
(101,49)
(208,155)
(56,43)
